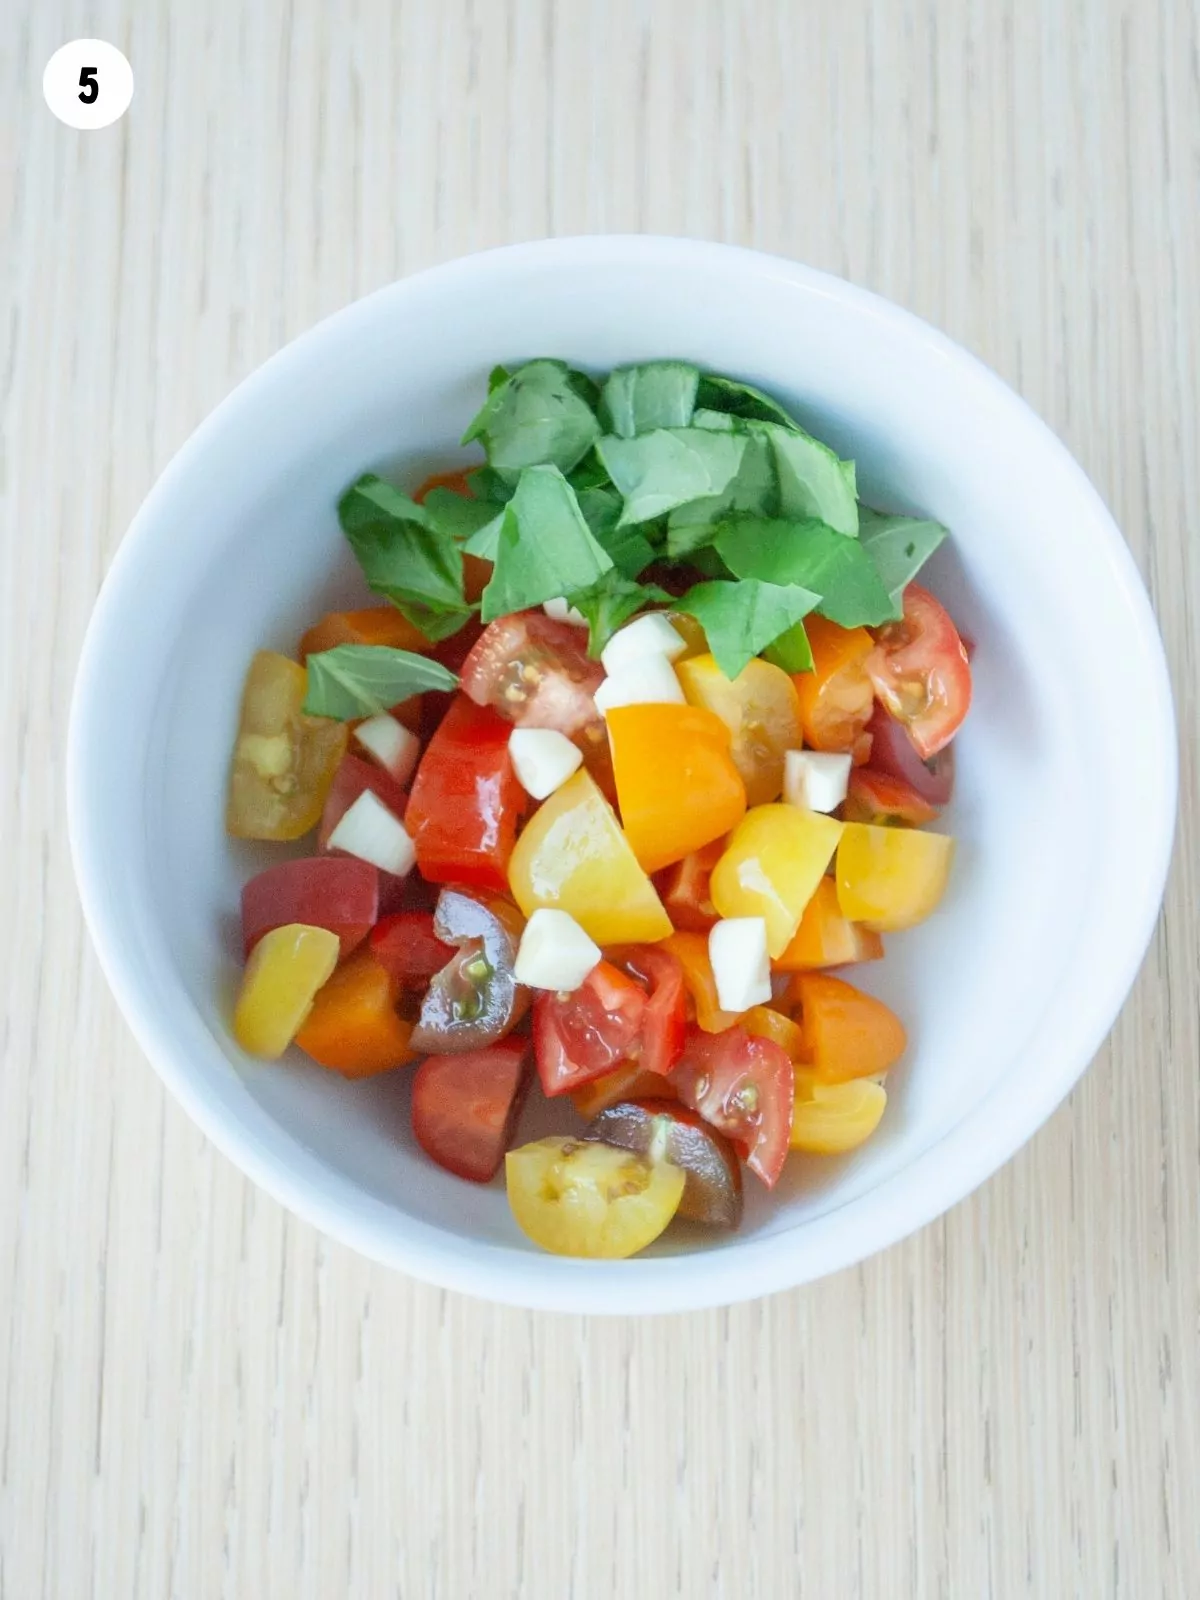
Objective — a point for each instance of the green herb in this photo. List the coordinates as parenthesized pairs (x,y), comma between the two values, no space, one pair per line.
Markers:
(814,556)
(610,603)
(536,417)
(545,548)
(457,514)
(791,650)
(740,400)
(497,377)
(717,421)
(741,619)
(813,481)
(588,474)
(754,490)
(404,557)
(899,547)
(485,484)
(656,394)
(361,680)
(661,470)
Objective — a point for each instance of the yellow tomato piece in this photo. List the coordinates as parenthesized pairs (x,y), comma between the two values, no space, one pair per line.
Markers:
(769,1024)
(283,761)
(891,878)
(776,857)
(694,638)
(830,1118)
(677,785)
(573,856)
(286,968)
(577,1198)
(761,709)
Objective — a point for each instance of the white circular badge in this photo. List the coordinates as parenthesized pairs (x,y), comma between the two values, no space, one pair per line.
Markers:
(88,84)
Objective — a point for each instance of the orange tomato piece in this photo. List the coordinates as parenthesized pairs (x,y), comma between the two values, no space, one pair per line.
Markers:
(685,889)
(826,938)
(371,625)
(691,949)
(353,1027)
(847,1034)
(767,1023)
(677,786)
(458,482)
(627,1082)
(836,697)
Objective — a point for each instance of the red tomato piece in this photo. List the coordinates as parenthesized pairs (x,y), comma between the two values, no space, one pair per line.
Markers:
(742,1085)
(664,1026)
(685,889)
(893,753)
(581,1036)
(335,892)
(535,672)
(466,802)
(883,799)
(458,481)
(465,1107)
(408,947)
(921,672)
(352,778)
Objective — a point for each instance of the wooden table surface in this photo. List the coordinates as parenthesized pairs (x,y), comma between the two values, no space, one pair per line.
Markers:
(201,1397)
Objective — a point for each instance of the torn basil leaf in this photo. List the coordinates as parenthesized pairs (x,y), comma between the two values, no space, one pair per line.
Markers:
(655,394)
(741,619)
(808,553)
(899,547)
(536,417)
(361,680)
(661,470)
(544,548)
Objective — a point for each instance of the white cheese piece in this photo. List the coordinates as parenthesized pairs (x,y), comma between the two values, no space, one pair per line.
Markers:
(555,953)
(815,780)
(650,680)
(394,746)
(649,635)
(371,832)
(543,759)
(737,949)
(560,611)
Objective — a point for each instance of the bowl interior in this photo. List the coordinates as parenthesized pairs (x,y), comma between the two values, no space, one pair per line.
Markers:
(238,548)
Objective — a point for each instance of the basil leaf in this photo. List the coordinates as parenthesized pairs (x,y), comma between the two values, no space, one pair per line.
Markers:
(545,548)
(740,400)
(718,421)
(813,481)
(485,484)
(457,515)
(655,394)
(361,680)
(899,547)
(810,554)
(742,619)
(661,470)
(588,474)
(610,603)
(404,557)
(754,489)
(496,377)
(791,650)
(485,540)
(536,417)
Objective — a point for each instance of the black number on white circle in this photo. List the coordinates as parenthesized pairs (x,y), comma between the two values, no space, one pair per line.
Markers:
(89,87)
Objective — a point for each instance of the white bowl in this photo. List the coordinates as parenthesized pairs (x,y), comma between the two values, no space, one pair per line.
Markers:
(1067,764)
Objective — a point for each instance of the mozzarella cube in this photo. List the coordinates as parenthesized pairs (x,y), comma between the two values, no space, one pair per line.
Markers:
(543,759)
(371,832)
(560,611)
(555,953)
(737,950)
(393,745)
(649,635)
(815,780)
(650,681)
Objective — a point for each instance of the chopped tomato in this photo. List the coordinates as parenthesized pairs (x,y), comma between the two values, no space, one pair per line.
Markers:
(353,1027)
(677,786)
(664,1130)
(891,878)
(743,1086)
(774,861)
(573,856)
(893,752)
(665,1022)
(885,800)
(283,761)
(829,1119)
(466,802)
(583,1035)
(535,672)
(353,777)
(761,711)
(577,1198)
(458,482)
(285,970)
(407,946)
(766,1023)
(826,938)
(836,696)
(465,1107)
(921,672)
(628,1082)
(685,889)
(848,1034)
(475,999)
(451,652)
(372,625)
(691,951)
(335,892)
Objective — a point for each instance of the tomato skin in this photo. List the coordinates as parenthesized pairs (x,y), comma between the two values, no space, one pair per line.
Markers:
(583,1198)
(665,1130)
(743,1086)
(535,672)
(848,1034)
(474,999)
(465,1107)
(776,857)
(881,798)
(465,801)
(830,1119)
(664,1026)
(407,946)
(282,978)
(581,1036)
(283,761)
(627,1082)
(893,753)
(921,672)
(685,889)
(353,777)
(836,697)
(891,878)
(353,1027)
(335,892)
(760,708)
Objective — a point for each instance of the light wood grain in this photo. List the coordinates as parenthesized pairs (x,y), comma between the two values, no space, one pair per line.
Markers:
(201,1397)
